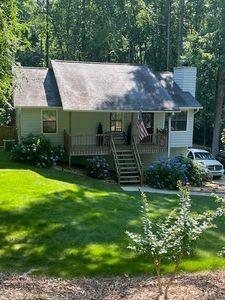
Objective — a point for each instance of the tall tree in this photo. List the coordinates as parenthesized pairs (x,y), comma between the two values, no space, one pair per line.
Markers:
(220,55)
(9,37)
(47,35)
(218,109)
(169,17)
(180,28)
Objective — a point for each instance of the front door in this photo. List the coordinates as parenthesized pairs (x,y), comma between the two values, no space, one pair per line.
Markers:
(148,119)
(116,122)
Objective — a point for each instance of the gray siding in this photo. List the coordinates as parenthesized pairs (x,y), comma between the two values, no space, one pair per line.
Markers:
(31,122)
(183,138)
(185,77)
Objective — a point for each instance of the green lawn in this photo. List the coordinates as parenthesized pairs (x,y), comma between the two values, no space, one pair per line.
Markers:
(60,224)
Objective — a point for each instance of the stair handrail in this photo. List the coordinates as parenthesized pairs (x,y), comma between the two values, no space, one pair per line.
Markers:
(137,158)
(113,149)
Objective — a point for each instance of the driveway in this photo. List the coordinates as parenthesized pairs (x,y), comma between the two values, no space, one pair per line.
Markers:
(220,180)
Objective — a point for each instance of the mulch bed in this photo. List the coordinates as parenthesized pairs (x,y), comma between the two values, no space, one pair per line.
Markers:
(210,187)
(199,286)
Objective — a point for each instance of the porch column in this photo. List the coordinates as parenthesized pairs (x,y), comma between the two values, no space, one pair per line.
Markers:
(132,122)
(169,135)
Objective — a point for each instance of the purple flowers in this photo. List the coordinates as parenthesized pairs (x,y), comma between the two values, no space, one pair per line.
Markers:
(166,173)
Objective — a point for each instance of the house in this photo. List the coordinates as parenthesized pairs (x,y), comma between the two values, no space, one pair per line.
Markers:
(93,109)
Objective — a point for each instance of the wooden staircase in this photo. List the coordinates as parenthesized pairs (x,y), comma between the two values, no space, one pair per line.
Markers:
(126,163)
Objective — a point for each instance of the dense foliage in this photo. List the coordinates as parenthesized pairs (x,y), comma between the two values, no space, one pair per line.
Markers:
(166,173)
(10,33)
(174,237)
(37,150)
(161,34)
(98,167)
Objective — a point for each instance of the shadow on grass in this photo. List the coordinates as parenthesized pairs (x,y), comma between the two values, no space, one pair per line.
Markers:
(79,231)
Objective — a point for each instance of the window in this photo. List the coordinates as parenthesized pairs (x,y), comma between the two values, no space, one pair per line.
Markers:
(203,156)
(178,121)
(116,122)
(190,155)
(49,121)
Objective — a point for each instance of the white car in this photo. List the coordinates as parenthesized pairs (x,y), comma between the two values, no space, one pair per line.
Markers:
(208,160)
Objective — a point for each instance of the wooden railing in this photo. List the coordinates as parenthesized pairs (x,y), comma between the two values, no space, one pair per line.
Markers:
(116,161)
(87,144)
(90,140)
(99,144)
(154,139)
(7,132)
(137,158)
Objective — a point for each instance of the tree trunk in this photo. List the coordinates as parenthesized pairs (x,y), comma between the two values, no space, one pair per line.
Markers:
(47,35)
(169,17)
(180,28)
(218,111)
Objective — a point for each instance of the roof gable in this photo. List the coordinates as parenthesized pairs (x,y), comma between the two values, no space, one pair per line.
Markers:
(110,86)
(36,87)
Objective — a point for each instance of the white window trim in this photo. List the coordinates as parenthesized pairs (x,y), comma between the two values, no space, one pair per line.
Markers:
(49,133)
(187,129)
(122,115)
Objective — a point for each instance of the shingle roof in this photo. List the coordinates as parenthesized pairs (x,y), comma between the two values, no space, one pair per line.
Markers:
(110,86)
(36,87)
(182,99)
(99,86)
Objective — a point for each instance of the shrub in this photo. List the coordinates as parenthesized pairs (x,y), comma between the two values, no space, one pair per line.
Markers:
(166,174)
(172,238)
(7,114)
(98,167)
(37,150)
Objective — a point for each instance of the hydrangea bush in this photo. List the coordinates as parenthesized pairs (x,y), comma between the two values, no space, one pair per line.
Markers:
(37,150)
(98,167)
(166,173)
(174,237)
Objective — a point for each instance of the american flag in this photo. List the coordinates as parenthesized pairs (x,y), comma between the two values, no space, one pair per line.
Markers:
(141,127)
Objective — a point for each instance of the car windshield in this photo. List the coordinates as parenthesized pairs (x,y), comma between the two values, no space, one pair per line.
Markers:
(203,156)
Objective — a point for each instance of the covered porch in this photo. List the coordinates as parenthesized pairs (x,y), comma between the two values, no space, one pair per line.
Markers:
(91,133)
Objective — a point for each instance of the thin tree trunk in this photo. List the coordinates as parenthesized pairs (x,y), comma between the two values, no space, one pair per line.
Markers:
(180,28)
(169,17)
(160,288)
(47,35)
(172,277)
(218,111)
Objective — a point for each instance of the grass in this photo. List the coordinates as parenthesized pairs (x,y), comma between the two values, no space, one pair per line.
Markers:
(60,224)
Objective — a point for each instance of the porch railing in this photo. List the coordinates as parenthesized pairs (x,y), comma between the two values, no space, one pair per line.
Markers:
(116,161)
(154,139)
(137,158)
(99,144)
(87,144)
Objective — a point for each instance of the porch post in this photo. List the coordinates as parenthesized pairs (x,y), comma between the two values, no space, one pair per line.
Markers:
(132,121)
(169,135)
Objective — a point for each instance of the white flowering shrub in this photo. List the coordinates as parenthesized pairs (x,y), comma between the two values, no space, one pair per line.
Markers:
(37,150)
(7,114)
(172,238)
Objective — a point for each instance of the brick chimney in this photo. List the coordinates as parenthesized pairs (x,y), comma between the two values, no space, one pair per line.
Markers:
(185,77)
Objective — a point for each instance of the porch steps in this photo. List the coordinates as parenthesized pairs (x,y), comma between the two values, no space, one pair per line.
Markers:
(128,170)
